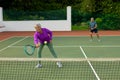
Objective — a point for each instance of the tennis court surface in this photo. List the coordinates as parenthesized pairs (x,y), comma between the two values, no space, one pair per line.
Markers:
(82,59)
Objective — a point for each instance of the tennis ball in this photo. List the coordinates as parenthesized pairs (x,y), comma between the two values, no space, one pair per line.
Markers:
(45,42)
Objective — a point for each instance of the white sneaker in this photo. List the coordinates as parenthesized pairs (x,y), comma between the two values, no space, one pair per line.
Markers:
(59,64)
(38,66)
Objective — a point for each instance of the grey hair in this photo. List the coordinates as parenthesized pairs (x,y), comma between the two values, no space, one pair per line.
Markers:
(38,24)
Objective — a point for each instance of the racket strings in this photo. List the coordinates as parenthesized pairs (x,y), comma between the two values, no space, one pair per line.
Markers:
(29,49)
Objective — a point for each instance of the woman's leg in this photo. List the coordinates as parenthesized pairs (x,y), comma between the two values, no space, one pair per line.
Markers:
(40,51)
(50,46)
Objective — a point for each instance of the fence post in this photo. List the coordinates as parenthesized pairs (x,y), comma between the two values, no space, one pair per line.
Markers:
(1,14)
(69,15)
(2,26)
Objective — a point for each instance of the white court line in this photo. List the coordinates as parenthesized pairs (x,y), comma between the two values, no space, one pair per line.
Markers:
(96,75)
(12,44)
(104,46)
(78,46)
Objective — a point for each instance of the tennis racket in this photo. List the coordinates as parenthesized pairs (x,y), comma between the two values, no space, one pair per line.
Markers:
(29,49)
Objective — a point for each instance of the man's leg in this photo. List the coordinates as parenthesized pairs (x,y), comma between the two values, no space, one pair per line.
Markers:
(97,34)
(98,37)
(91,33)
(91,37)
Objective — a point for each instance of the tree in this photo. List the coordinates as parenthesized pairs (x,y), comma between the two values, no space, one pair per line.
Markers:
(88,6)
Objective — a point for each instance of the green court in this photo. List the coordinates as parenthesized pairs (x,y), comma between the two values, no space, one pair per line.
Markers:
(66,48)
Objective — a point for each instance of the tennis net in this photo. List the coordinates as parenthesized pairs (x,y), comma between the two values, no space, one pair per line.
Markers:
(72,69)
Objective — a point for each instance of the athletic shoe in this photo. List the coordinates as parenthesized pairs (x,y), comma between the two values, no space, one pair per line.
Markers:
(59,64)
(38,66)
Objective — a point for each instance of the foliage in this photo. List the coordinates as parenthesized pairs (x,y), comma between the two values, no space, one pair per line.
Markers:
(75,27)
(88,6)
(35,15)
(98,20)
(110,22)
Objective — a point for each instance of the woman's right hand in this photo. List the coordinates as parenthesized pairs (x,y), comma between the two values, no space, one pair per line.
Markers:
(37,45)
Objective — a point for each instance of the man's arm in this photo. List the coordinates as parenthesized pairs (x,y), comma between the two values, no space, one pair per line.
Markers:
(89,26)
(95,26)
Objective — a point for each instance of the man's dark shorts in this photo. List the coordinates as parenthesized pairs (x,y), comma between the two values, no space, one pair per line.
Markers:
(94,30)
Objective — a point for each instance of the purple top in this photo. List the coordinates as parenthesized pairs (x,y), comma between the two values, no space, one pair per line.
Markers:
(46,35)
